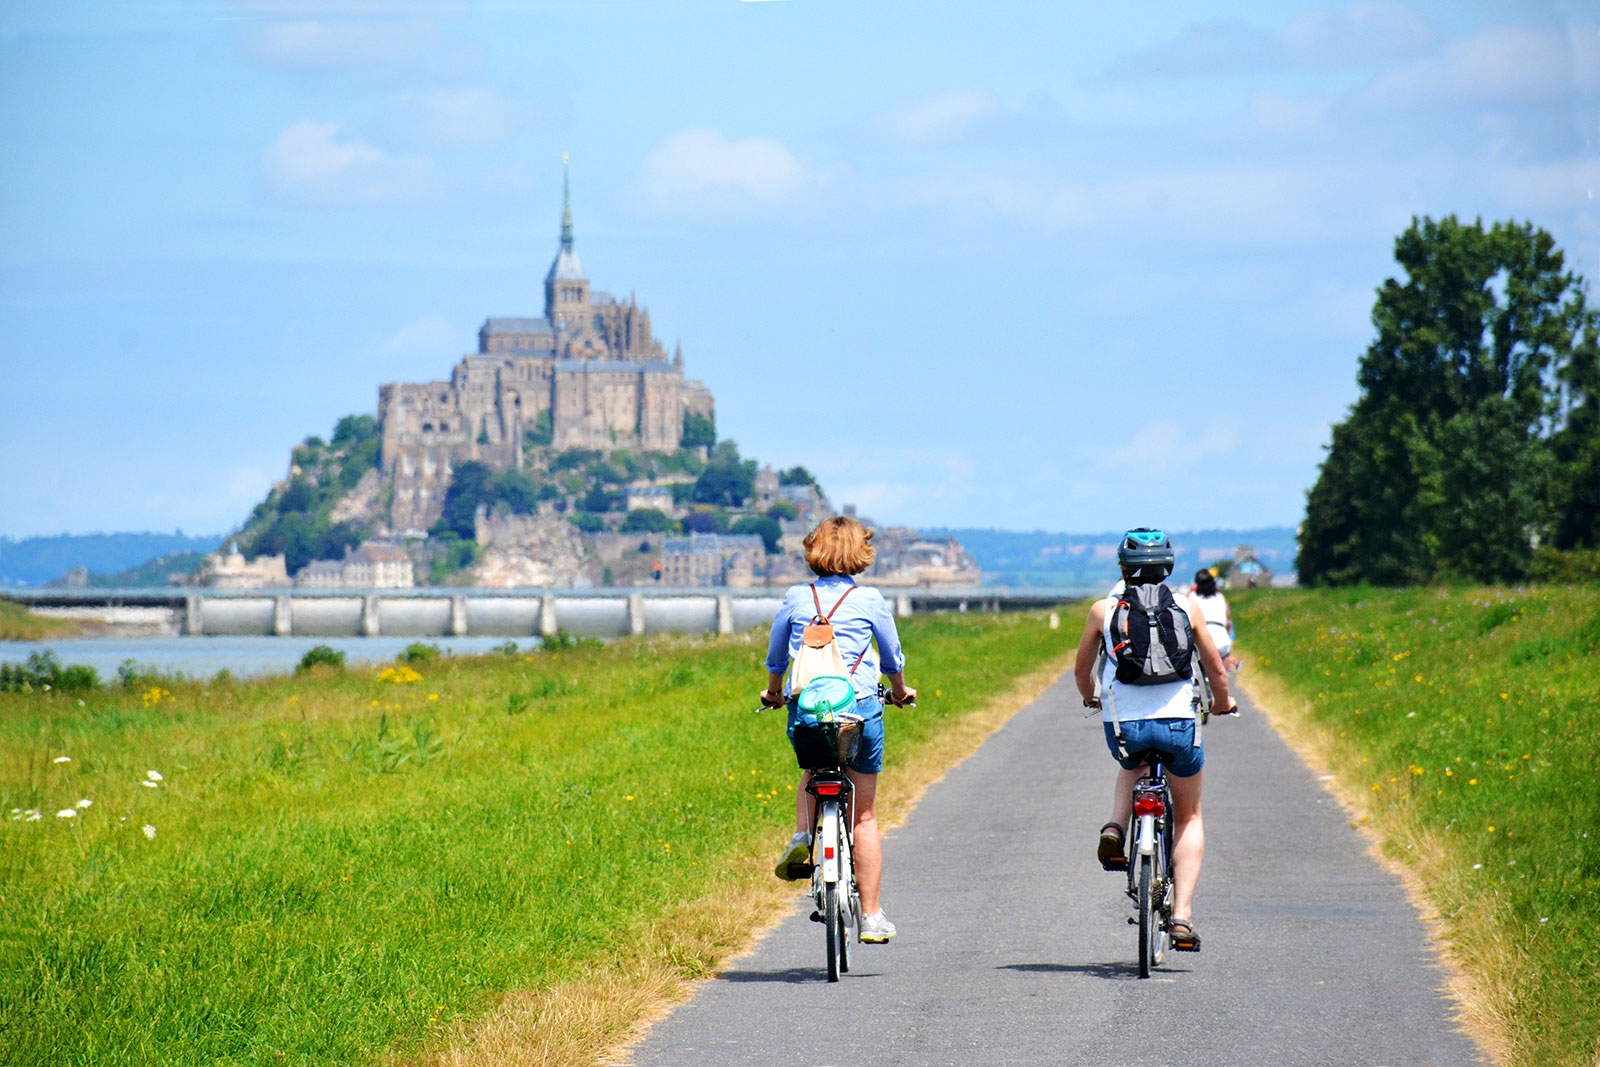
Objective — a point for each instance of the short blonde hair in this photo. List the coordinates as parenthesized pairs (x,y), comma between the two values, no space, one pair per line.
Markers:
(839,545)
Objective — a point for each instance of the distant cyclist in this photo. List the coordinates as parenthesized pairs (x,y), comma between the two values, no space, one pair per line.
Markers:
(1219,617)
(837,549)
(1161,716)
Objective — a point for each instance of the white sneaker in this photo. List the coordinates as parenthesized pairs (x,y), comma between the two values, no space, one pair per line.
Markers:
(799,848)
(876,928)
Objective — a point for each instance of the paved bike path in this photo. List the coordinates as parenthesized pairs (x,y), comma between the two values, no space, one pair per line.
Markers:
(1014,948)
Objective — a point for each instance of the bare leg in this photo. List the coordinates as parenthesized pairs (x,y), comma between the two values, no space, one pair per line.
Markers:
(1122,797)
(1190,846)
(802,806)
(868,847)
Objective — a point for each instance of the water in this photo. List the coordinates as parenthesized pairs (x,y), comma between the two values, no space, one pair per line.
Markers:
(245,657)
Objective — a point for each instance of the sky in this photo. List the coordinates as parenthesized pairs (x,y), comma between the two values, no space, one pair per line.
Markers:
(1019,265)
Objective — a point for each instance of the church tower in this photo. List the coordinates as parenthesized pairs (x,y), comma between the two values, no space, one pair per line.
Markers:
(566,290)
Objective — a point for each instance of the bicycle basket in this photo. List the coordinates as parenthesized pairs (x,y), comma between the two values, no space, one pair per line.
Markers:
(829,741)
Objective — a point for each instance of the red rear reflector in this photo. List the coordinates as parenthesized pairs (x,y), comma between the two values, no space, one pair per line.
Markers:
(827,853)
(1148,804)
(828,789)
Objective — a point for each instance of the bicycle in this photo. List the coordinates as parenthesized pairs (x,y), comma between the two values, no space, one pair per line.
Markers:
(825,753)
(1149,863)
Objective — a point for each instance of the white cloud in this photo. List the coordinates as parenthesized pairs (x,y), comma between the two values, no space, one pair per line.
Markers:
(325,163)
(1500,65)
(940,118)
(698,170)
(459,116)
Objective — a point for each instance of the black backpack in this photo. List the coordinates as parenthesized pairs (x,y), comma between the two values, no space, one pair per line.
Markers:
(1152,640)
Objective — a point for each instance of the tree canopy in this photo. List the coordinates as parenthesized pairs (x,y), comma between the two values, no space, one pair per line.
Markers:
(1476,434)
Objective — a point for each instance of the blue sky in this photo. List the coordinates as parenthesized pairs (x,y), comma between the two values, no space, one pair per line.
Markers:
(1023,265)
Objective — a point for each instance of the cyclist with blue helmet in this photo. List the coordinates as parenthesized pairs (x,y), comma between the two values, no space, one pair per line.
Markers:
(1162,716)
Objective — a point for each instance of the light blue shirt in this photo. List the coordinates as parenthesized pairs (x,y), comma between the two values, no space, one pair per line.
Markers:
(863,616)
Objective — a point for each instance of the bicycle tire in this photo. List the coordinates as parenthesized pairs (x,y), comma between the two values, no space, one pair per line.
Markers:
(847,885)
(1161,903)
(830,922)
(1149,924)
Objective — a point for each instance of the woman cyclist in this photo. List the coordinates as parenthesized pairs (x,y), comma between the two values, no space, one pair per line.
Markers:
(1219,618)
(1160,717)
(837,549)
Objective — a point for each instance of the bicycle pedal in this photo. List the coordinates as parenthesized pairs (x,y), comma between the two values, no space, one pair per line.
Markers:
(816,917)
(1116,865)
(798,871)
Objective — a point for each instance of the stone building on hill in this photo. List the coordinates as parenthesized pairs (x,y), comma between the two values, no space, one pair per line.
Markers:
(588,373)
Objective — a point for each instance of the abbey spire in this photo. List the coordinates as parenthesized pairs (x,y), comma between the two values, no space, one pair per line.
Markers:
(566,290)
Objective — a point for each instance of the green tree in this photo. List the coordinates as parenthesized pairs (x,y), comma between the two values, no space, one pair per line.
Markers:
(469,487)
(783,510)
(727,481)
(698,431)
(764,527)
(796,476)
(588,522)
(353,429)
(1443,465)
(648,520)
(541,432)
(515,490)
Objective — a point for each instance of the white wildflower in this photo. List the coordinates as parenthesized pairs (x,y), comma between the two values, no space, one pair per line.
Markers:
(33,816)
(1477,866)
(67,813)
(154,776)
(84,803)
(62,759)
(16,811)
(149,831)
(150,785)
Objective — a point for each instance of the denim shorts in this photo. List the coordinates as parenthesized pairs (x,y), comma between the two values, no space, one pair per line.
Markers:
(869,755)
(1175,737)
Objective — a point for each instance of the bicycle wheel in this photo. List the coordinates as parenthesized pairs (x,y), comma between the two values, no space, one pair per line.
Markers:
(1161,902)
(847,896)
(1149,921)
(830,920)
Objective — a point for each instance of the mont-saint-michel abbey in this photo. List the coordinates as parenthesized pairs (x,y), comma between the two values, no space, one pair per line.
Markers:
(588,371)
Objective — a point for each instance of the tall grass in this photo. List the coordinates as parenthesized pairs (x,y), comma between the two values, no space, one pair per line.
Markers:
(347,866)
(1466,721)
(17,623)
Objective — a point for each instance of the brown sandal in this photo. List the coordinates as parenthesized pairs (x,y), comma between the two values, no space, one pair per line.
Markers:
(1184,940)
(1109,852)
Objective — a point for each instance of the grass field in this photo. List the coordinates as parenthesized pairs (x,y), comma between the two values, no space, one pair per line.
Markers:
(17,623)
(368,866)
(1467,723)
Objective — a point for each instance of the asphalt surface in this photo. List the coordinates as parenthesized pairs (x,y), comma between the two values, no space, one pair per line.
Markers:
(1014,946)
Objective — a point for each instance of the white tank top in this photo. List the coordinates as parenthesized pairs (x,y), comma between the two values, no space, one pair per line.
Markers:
(1174,700)
(1214,608)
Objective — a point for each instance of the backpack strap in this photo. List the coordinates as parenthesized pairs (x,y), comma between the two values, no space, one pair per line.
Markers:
(861,657)
(829,616)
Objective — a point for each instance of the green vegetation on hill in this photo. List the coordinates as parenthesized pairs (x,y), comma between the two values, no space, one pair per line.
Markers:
(296,519)
(348,866)
(1477,431)
(1465,720)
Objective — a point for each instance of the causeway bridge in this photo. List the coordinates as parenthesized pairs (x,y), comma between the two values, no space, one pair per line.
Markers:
(440,612)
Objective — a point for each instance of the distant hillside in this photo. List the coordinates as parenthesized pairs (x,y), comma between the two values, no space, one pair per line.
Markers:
(1089,562)
(37,560)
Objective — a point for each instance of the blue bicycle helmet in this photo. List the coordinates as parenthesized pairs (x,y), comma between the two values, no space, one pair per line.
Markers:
(1146,554)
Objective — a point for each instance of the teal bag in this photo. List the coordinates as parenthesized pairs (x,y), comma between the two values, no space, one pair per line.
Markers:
(822,730)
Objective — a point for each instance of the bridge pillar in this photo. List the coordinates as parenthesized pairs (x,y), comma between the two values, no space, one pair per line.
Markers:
(458,616)
(369,617)
(193,625)
(547,616)
(902,606)
(282,617)
(724,614)
(636,614)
